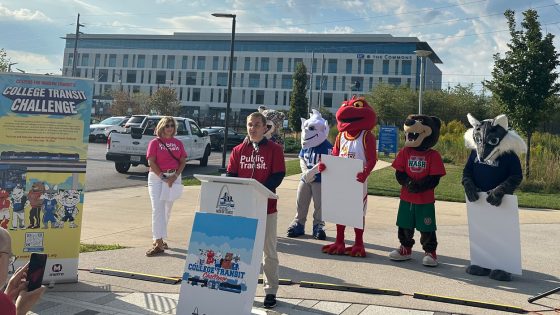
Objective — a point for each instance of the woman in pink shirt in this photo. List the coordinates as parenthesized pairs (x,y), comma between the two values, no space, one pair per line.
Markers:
(167,158)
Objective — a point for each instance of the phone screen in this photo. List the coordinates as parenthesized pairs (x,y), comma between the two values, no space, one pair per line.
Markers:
(36,271)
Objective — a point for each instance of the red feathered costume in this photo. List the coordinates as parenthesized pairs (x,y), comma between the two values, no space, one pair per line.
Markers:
(355,120)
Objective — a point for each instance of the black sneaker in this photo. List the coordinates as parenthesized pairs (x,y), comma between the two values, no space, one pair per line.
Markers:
(270,301)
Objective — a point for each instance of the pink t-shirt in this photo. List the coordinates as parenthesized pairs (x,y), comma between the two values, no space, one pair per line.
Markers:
(163,159)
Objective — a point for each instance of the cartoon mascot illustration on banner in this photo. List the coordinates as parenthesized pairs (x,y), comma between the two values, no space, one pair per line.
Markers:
(355,120)
(19,202)
(493,167)
(418,170)
(50,206)
(34,198)
(69,199)
(314,133)
(274,122)
(4,208)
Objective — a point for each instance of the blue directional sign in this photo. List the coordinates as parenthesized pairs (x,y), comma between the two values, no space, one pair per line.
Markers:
(388,139)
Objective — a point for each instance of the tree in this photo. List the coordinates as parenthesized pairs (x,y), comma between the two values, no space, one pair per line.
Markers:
(164,101)
(121,104)
(298,99)
(524,81)
(4,60)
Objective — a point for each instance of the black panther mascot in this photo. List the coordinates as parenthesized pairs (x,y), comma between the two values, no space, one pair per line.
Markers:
(493,167)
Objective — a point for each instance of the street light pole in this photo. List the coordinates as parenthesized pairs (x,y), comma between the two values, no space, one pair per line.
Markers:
(10,66)
(422,54)
(230,76)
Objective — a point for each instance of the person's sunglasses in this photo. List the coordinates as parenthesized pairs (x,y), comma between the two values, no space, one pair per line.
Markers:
(169,126)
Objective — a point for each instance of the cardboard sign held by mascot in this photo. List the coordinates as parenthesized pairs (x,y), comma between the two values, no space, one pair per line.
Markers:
(493,167)
(418,169)
(314,143)
(355,120)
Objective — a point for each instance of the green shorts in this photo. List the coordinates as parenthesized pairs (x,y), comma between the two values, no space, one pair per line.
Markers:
(420,217)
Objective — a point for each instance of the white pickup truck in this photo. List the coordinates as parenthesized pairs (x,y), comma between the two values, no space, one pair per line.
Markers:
(129,149)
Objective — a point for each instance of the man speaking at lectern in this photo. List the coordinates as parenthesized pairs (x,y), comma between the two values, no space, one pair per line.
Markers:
(263,160)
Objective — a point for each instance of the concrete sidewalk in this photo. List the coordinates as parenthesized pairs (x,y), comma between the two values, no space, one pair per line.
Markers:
(122,216)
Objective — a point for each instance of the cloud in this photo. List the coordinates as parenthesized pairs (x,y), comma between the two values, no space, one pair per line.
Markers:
(339,30)
(35,63)
(23,14)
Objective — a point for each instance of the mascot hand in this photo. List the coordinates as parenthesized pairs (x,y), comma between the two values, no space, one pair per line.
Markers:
(471,191)
(322,166)
(362,177)
(309,176)
(495,196)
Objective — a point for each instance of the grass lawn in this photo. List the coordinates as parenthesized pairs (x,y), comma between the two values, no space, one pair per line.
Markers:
(85,248)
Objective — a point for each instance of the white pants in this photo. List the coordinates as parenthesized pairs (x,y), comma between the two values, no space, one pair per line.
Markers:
(161,209)
(18,218)
(270,255)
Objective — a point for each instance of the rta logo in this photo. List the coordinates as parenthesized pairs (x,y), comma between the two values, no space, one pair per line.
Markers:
(56,268)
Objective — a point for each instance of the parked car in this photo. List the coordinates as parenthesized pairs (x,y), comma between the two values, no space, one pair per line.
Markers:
(233,138)
(215,135)
(102,130)
(134,121)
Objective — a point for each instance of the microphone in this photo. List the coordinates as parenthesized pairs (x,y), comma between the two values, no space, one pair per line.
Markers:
(256,146)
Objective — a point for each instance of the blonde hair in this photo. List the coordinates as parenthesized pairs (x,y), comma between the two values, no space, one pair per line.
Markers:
(160,128)
(258,115)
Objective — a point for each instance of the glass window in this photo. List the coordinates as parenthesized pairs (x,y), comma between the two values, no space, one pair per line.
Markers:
(289,64)
(286,81)
(141,63)
(170,62)
(394,81)
(201,63)
(327,99)
(317,82)
(70,59)
(260,97)
(275,97)
(266,81)
(196,95)
(280,65)
(211,95)
(334,83)
(397,63)
(154,61)
(406,67)
(194,129)
(125,61)
(247,65)
(385,67)
(348,66)
(234,67)
(97,59)
(160,77)
(359,66)
(251,96)
(254,80)
(131,76)
(368,66)
(162,62)
(224,62)
(274,81)
(332,65)
(85,60)
(264,63)
(184,62)
(357,83)
(215,61)
(256,64)
(343,84)
(103,75)
(112,60)
(222,79)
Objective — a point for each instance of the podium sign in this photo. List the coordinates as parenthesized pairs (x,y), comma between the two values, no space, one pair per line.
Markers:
(232,215)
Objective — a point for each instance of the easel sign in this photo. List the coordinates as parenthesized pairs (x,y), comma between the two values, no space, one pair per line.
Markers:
(218,264)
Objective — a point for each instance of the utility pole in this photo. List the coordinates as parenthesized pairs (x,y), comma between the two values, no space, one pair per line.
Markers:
(76,37)
(311,83)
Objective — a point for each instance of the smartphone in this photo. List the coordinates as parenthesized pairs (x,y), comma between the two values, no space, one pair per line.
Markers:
(36,271)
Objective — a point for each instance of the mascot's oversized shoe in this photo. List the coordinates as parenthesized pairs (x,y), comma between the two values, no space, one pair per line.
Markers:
(358,250)
(295,230)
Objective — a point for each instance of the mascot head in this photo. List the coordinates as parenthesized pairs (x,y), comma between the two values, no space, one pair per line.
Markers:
(50,192)
(314,130)
(355,115)
(421,131)
(38,187)
(4,194)
(17,192)
(492,138)
(274,121)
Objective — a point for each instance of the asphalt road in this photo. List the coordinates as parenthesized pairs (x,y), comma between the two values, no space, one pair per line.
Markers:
(101,174)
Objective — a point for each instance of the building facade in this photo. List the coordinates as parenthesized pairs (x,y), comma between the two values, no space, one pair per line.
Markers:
(196,65)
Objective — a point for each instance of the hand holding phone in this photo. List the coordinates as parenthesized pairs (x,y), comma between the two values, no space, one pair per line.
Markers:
(36,271)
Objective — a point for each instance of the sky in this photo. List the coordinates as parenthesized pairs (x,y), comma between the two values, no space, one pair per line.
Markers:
(464,33)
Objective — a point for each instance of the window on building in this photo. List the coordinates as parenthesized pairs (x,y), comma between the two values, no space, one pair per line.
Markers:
(359,66)
(184,62)
(112,60)
(180,75)
(348,66)
(251,96)
(141,63)
(225,95)
(385,67)
(211,95)
(160,77)
(274,81)
(254,80)
(256,65)
(125,61)
(370,83)
(280,65)
(202,75)
(408,82)
(234,66)
(394,81)
(334,83)
(327,99)
(85,60)
(332,66)
(149,77)
(297,61)
(317,82)
(289,64)
(170,62)
(97,60)
(368,66)
(215,62)
(201,63)
(136,89)
(275,97)
(133,61)
(357,83)
(221,79)
(247,65)
(314,66)
(234,75)
(131,76)
(397,63)
(242,80)
(243,96)
(260,97)
(406,67)
(224,62)
(219,95)
(343,84)
(70,59)
(284,102)
(103,75)
(193,60)
(266,81)
(286,81)
(196,95)
(265,63)
(154,61)
(210,78)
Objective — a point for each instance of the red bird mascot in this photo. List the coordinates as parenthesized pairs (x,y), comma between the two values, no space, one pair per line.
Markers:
(355,120)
